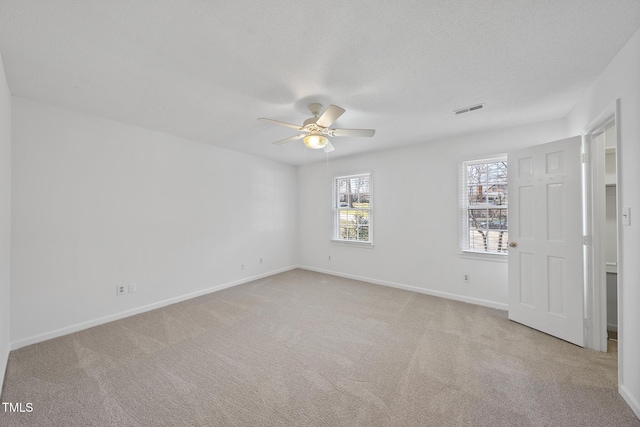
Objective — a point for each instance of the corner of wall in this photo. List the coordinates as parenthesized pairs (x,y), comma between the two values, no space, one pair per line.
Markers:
(5,220)
(631,401)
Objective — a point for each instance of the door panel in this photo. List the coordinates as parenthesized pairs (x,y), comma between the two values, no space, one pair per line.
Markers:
(545,225)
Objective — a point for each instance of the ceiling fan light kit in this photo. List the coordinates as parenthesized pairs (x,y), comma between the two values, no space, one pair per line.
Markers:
(317,128)
(315,141)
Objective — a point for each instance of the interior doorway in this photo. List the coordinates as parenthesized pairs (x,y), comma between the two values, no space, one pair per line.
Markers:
(602,285)
(609,241)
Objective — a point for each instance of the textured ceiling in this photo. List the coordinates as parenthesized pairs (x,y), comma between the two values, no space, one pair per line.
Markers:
(206,70)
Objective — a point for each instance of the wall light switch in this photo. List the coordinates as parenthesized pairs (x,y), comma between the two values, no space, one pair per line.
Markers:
(626,216)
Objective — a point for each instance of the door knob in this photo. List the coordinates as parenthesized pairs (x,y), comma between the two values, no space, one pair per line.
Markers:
(512,244)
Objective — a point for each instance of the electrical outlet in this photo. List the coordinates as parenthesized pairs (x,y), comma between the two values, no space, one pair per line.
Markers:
(120,289)
(466,278)
(260,260)
(243,267)
(132,287)
(329,257)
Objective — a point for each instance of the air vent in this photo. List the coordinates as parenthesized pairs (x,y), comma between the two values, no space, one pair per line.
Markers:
(467,109)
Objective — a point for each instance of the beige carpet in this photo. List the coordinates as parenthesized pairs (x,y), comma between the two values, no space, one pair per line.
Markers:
(307,349)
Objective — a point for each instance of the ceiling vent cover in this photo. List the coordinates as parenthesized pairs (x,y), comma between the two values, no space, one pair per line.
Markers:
(467,109)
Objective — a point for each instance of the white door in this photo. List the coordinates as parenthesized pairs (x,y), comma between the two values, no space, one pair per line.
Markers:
(545,239)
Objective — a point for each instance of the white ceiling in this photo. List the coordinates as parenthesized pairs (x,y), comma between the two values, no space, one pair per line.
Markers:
(206,70)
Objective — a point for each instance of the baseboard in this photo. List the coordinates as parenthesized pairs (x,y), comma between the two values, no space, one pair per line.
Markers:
(121,315)
(462,298)
(631,401)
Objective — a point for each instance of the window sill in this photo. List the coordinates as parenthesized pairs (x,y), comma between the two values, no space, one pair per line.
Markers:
(352,243)
(483,256)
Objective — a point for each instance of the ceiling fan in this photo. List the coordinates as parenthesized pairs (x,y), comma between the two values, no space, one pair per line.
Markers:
(317,128)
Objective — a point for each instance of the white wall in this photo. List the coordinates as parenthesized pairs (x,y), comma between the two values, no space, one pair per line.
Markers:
(5,219)
(97,203)
(621,80)
(416,216)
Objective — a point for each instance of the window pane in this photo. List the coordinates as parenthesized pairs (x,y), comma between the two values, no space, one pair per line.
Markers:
(351,217)
(497,173)
(476,195)
(478,219)
(496,194)
(363,200)
(362,218)
(352,190)
(476,174)
(342,187)
(488,240)
(476,240)
(497,219)
(347,233)
(497,241)
(363,233)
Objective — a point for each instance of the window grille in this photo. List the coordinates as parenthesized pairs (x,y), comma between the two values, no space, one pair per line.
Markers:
(485,206)
(352,207)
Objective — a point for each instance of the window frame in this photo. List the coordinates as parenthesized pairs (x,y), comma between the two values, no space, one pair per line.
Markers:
(337,209)
(466,248)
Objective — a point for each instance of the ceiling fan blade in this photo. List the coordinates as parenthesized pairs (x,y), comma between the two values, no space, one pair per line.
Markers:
(328,148)
(279,123)
(329,116)
(352,132)
(293,138)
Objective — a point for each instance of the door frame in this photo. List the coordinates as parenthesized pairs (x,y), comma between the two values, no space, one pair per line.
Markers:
(595,271)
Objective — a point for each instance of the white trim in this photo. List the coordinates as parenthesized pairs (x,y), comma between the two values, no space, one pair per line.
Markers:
(593,176)
(620,236)
(455,297)
(595,268)
(631,401)
(485,256)
(353,243)
(117,316)
(493,158)
(611,112)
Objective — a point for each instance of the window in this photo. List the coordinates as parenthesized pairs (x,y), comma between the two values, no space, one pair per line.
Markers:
(484,203)
(352,209)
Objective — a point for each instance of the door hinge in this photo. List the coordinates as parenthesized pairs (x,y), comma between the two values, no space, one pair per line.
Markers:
(587,324)
(583,157)
(586,240)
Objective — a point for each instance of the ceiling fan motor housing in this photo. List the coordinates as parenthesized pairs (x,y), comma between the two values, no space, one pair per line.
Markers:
(309,121)
(315,108)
